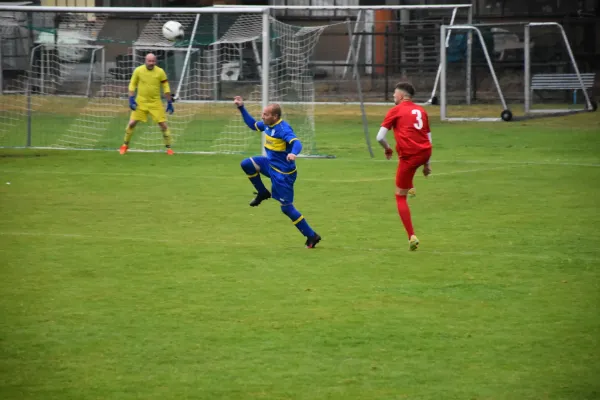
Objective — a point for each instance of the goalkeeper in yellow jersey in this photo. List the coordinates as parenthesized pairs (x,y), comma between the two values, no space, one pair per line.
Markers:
(147,80)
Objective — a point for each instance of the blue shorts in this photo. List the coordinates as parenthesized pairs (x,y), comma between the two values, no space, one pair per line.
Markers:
(282,185)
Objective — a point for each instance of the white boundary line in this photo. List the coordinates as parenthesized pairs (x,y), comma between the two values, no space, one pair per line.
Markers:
(535,163)
(356,180)
(336,159)
(45,172)
(398,250)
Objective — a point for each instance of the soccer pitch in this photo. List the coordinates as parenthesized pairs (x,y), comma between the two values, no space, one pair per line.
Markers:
(148,276)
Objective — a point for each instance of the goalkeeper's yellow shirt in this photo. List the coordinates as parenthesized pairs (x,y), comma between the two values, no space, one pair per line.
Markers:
(148,83)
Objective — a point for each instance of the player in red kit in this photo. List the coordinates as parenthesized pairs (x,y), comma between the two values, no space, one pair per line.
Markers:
(413,145)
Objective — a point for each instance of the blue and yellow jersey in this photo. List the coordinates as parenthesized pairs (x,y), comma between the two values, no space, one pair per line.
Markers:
(148,83)
(279,140)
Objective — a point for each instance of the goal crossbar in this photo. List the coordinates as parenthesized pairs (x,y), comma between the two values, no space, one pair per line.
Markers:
(136,10)
(356,8)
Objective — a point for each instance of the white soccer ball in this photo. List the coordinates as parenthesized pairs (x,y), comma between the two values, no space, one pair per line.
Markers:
(172,30)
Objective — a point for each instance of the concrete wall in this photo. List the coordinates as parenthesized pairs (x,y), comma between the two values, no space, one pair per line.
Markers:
(121,29)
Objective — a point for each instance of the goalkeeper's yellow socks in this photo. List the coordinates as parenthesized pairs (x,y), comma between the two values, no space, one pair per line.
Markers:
(167,137)
(128,135)
(126,139)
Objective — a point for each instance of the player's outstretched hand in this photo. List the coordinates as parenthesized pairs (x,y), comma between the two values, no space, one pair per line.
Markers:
(132,103)
(170,108)
(426,170)
(238,101)
(389,153)
(291,157)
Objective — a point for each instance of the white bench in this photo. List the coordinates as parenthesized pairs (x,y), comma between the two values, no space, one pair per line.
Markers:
(564,82)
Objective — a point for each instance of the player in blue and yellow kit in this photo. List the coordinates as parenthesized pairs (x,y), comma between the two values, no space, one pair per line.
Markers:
(282,146)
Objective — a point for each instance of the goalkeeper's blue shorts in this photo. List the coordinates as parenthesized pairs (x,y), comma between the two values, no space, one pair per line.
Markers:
(282,183)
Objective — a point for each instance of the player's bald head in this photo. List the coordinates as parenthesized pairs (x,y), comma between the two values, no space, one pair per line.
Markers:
(275,109)
(271,114)
(150,60)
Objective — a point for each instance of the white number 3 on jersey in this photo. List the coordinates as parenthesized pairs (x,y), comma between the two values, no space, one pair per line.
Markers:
(419,123)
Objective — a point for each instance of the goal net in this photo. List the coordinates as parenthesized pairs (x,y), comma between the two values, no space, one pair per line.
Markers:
(74,93)
(60,61)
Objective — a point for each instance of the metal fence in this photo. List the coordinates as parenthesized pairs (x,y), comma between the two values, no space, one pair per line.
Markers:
(411,52)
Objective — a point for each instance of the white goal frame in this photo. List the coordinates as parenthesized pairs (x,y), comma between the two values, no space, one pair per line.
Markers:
(265,34)
(505,115)
(527,73)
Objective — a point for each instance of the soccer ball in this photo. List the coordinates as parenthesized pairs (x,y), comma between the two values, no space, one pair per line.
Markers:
(172,30)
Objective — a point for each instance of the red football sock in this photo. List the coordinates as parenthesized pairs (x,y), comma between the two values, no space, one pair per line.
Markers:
(404,212)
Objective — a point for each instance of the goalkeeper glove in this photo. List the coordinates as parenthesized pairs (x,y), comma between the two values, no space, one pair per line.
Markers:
(170,108)
(388,153)
(132,103)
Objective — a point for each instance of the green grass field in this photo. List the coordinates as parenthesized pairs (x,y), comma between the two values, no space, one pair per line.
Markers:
(148,277)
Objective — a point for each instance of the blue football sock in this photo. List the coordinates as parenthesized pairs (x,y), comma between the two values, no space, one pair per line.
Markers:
(298,220)
(253,175)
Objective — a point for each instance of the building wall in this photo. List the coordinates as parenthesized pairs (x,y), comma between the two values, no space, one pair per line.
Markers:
(128,31)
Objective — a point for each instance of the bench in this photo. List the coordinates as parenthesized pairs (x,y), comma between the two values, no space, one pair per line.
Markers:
(564,82)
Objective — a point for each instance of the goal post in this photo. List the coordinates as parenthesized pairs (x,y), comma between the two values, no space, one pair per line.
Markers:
(445,31)
(187,57)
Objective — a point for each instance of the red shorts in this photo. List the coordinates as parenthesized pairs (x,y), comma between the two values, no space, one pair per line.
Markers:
(407,167)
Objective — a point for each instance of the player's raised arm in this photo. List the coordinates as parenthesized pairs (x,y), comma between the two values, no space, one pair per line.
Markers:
(133,84)
(250,122)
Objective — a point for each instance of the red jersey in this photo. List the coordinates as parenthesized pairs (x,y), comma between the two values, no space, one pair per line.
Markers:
(411,128)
